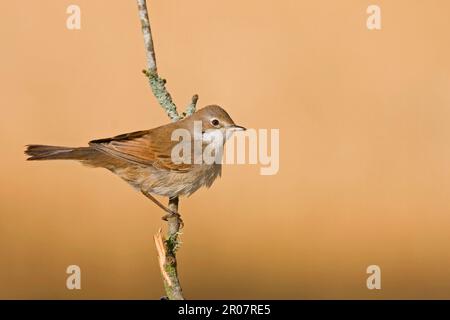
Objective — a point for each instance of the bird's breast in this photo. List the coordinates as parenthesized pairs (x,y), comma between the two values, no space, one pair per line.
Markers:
(173,183)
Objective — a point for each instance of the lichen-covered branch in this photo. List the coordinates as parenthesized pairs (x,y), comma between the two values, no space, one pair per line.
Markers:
(157,83)
(166,248)
(171,245)
(161,94)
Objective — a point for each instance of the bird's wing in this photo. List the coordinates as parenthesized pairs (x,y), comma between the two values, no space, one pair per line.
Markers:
(141,147)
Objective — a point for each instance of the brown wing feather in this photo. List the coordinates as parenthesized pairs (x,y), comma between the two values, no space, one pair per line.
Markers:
(141,147)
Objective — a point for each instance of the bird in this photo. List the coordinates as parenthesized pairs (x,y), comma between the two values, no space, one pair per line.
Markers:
(144,159)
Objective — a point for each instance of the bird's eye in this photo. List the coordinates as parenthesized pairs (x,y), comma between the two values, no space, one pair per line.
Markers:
(215,122)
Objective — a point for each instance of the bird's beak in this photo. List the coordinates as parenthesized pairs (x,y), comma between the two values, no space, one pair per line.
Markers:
(237,128)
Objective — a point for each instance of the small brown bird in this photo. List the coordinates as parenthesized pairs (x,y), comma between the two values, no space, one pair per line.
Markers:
(144,158)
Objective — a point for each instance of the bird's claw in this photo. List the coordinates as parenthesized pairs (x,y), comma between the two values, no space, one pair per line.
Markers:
(173,214)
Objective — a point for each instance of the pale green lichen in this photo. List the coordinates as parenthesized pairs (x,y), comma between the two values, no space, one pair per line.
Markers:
(173,243)
(161,94)
(164,98)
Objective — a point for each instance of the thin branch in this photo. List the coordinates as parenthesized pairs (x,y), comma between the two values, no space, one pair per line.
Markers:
(147,31)
(172,244)
(158,84)
(167,253)
(166,248)
(192,106)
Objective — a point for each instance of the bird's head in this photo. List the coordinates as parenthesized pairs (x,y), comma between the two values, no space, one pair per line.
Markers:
(214,117)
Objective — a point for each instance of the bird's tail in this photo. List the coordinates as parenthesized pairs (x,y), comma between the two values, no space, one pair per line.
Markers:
(42,152)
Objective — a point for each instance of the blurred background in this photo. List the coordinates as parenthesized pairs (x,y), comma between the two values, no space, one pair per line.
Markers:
(364,153)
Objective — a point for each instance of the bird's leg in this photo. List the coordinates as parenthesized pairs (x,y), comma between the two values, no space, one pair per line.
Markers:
(169,214)
(159,204)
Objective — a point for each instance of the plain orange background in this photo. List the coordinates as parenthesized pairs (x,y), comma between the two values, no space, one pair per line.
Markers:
(364,153)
